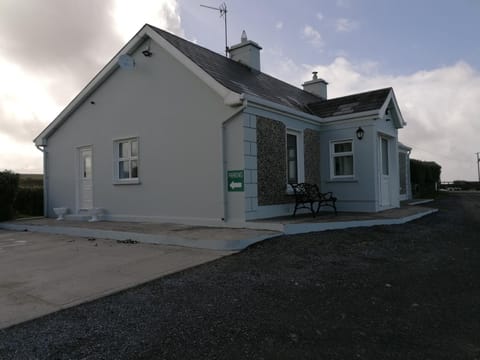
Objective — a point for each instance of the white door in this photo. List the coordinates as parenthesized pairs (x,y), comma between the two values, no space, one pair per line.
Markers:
(85,191)
(385,181)
(403,174)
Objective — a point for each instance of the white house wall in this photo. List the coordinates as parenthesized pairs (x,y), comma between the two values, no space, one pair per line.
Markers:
(177,120)
(357,193)
(234,160)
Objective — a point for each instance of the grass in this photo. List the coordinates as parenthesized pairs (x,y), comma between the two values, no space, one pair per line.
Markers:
(31,180)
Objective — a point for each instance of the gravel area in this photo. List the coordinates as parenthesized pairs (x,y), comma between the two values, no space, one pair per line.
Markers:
(390,292)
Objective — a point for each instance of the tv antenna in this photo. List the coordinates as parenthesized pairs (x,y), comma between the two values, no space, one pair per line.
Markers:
(223,13)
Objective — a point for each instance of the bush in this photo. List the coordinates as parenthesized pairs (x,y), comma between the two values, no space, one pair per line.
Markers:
(29,201)
(425,177)
(8,192)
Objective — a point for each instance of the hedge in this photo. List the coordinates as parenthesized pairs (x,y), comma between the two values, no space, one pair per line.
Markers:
(29,201)
(8,191)
(425,177)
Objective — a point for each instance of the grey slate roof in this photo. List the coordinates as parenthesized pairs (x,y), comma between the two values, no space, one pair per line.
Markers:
(242,79)
(350,104)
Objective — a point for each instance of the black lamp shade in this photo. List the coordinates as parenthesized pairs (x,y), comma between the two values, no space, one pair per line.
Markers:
(360,133)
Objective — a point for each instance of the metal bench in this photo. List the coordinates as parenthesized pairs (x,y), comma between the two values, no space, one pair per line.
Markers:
(306,195)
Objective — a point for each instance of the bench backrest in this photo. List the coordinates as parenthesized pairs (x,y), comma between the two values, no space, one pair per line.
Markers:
(305,191)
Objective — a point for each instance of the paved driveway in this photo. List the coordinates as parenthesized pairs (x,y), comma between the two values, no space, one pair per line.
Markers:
(43,273)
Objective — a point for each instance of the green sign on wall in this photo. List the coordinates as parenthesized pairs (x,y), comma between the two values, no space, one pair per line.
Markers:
(235,180)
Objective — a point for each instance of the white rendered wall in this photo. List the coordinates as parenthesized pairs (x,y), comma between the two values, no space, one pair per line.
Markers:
(362,191)
(177,119)
(234,160)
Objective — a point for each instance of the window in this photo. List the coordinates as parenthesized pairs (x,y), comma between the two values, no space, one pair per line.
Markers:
(341,153)
(87,165)
(295,157)
(126,162)
(292,159)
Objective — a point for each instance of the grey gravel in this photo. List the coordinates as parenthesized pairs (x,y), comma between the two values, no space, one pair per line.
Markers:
(390,292)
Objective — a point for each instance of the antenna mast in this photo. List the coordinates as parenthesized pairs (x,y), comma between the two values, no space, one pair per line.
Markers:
(223,13)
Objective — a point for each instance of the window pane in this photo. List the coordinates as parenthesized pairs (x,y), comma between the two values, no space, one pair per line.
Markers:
(292,172)
(134,148)
(124,169)
(87,166)
(343,147)
(344,165)
(124,149)
(134,169)
(291,140)
(292,163)
(385,157)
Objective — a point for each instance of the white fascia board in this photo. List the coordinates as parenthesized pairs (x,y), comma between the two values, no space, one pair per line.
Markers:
(351,117)
(221,90)
(399,121)
(258,102)
(361,120)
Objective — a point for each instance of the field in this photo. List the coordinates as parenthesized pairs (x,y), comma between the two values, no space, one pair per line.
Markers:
(31,180)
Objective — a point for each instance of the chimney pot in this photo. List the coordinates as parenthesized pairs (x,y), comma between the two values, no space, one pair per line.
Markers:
(243,38)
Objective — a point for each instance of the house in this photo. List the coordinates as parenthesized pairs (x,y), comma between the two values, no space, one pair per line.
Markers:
(171,131)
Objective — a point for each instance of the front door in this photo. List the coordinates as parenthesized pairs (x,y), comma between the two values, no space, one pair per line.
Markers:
(402,170)
(85,191)
(385,183)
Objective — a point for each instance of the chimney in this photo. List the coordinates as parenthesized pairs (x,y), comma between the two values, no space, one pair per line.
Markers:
(316,86)
(247,52)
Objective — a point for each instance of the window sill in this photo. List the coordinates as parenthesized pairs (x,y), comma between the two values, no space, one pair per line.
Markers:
(343,180)
(126,182)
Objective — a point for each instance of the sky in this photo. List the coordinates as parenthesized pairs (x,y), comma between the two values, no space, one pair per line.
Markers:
(427,50)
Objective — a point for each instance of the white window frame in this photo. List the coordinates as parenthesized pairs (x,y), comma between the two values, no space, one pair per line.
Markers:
(300,155)
(334,155)
(117,160)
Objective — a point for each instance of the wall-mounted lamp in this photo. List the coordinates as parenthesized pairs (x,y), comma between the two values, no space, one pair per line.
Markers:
(147,53)
(360,133)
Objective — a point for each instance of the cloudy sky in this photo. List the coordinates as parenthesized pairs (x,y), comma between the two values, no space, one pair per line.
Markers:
(427,50)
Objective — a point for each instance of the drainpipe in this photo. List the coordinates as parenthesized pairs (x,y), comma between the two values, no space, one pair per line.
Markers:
(224,159)
(43,149)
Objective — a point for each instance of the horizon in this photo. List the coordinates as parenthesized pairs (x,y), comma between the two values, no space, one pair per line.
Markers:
(355,46)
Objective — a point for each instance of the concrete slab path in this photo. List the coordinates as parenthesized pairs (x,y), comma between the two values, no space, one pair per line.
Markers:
(42,273)
(201,237)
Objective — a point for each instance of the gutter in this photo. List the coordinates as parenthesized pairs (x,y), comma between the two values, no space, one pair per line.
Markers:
(282,109)
(43,149)
(352,116)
